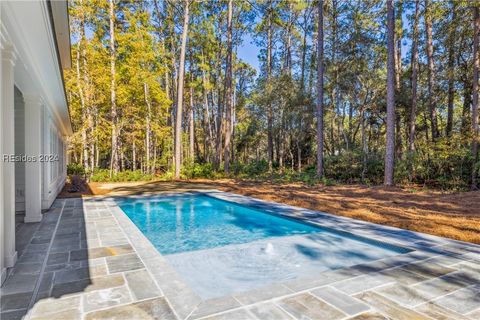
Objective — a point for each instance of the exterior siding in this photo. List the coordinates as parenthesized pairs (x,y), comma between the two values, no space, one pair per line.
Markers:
(54,173)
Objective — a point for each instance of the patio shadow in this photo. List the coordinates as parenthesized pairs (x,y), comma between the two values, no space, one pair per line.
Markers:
(52,260)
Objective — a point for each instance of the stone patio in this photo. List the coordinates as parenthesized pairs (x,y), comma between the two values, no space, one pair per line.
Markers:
(87,260)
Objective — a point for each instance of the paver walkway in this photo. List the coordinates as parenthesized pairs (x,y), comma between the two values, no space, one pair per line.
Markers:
(86,260)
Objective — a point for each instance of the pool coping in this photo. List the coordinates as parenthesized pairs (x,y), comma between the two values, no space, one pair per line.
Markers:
(187,305)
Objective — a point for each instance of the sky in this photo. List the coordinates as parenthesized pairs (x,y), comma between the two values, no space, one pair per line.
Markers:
(249,51)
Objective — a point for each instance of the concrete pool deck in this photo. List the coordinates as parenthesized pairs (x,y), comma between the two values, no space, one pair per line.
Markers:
(87,260)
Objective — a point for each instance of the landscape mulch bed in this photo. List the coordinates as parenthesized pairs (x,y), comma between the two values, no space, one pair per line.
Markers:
(454,215)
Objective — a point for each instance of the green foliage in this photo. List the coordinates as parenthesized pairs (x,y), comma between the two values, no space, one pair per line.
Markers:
(197,170)
(103,175)
(251,169)
(444,165)
(280,104)
(348,167)
(75,169)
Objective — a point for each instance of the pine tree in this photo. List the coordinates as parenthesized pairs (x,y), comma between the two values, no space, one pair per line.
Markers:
(390,143)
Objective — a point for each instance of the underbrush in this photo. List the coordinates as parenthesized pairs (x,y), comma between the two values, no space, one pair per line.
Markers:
(446,165)
(75,169)
(103,175)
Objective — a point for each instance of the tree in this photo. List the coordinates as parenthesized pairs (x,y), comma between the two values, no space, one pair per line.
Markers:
(129,89)
(390,139)
(269,75)
(475,127)
(228,90)
(179,100)
(320,69)
(114,163)
(414,79)
(432,98)
(81,68)
(451,70)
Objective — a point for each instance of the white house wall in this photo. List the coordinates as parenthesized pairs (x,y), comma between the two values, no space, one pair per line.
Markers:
(54,173)
(53,143)
(29,62)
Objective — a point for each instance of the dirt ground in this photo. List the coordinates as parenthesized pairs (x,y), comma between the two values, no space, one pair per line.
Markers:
(452,215)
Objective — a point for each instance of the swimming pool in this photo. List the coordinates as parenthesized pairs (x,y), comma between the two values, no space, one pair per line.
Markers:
(220,247)
(191,222)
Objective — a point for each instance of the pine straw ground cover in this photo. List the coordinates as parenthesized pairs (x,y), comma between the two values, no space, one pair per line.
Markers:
(452,215)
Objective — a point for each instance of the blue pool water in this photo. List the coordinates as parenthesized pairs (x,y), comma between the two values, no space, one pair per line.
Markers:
(193,222)
(219,248)
(190,222)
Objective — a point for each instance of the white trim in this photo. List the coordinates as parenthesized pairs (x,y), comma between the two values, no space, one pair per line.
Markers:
(38,73)
(8,133)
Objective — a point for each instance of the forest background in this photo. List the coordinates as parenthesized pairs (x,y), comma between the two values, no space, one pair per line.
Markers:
(332,91)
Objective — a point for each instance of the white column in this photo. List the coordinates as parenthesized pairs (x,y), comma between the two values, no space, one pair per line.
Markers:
(8,62)
(3,269)
(33,149)
(46,166)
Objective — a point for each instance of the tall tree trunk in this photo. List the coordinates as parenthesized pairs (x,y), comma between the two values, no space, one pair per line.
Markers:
(475,127)
(269,74)
(191,129)
(97,151)
(179,113)
(154,154)
(312,70)
(398,84)
(114,162)
(398,46)
(413,107)
(335,87)
(97,144)
(287,66)
(220,100)
(232,123)
(121,153)
(92,151)
(390,143)
(304,51)
(84,153)
(320,73)
(134,155)
(299,155)
(451,70)
(148,119)
(228,90)
(364,146)
(432,100)
(81,58)
(210,145)
(173,83)
(467,100)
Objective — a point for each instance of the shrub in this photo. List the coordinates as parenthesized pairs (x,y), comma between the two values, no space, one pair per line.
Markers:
(198,170)
(253,169)
(447,164)
(75,169)
(348,167)
(103,175)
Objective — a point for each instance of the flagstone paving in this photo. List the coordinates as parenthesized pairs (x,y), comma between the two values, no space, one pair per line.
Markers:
(87,260)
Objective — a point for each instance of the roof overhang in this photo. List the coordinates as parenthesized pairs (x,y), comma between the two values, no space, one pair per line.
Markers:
(59,12)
